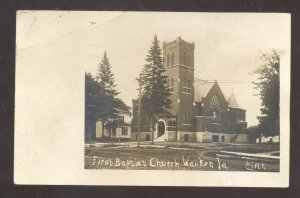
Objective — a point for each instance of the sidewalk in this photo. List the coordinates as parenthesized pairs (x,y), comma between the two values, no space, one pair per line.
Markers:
(250,156)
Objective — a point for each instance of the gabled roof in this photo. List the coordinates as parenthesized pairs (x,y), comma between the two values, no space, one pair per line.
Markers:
(202,88)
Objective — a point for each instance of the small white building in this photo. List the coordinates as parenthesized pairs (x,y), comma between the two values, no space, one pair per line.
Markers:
(121,128)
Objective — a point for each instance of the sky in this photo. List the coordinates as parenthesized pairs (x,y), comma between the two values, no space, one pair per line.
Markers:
(227,46)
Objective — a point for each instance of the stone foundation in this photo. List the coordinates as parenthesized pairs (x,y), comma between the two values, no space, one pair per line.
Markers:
(144,136)
(206,137)
(183,136)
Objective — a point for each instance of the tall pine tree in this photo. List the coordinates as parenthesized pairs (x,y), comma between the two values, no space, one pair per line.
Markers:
(155,94)
(105,77)
(101,102)
(107,111)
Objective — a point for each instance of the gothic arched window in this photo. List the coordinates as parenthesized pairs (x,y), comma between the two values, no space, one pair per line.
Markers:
(173,58)
(168,59)
(215,108)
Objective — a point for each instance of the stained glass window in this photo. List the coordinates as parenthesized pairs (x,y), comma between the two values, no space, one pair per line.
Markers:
(215,107)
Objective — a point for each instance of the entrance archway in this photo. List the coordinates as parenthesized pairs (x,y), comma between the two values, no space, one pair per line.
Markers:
(161,128)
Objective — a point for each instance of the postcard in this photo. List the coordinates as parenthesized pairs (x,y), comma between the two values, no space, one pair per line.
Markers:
(152,98)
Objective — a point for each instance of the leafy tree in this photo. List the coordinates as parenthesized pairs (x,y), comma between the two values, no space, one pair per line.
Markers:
(119,104)
(268,86)
(253,132)
(155,94)
(93,98)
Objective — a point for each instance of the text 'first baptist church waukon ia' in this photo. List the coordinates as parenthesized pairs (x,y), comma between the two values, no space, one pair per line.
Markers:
(200,111)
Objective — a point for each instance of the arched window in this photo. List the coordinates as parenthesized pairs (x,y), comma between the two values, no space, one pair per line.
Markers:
(173,58)
(187,60)
(172,122)
(215,108)
(168,59)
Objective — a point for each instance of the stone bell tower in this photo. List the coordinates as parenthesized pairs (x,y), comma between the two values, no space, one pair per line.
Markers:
(179,63)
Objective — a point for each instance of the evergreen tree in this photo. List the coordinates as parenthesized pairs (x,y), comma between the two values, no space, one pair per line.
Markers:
(155,94)
(101,102)
(107,111)
(268,86)
(106,78)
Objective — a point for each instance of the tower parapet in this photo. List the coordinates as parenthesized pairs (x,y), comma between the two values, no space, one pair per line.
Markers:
(180,41)
(179,52)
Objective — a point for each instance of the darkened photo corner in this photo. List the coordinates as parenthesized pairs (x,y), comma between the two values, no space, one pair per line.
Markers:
(177,119)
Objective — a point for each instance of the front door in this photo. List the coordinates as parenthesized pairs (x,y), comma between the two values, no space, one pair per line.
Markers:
(161,128)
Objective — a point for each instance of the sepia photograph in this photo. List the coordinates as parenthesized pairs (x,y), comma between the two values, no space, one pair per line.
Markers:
(153,93)
(195,96)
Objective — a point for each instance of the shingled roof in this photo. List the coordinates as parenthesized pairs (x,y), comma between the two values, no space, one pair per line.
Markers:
(232,102)
(202,87)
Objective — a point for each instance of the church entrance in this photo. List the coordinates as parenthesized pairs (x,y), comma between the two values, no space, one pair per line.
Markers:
(161,128)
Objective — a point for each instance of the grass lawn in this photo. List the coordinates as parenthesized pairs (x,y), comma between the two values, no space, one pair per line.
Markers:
(178,157)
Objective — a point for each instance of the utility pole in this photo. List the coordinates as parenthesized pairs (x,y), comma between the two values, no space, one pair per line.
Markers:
(140,111)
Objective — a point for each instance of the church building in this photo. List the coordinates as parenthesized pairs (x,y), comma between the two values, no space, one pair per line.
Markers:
(200,111)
